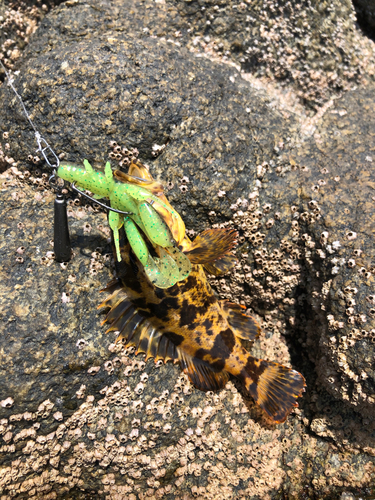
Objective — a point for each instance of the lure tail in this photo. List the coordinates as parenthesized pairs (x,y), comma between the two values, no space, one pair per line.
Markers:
(274,387)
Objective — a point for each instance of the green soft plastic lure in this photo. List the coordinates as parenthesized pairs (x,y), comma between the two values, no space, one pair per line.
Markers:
(131,195)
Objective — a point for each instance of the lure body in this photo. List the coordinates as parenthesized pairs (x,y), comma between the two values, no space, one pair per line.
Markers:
(132,195)
(187,324)
(87,178)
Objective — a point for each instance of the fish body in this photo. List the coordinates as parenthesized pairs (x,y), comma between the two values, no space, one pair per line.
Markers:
(186,323)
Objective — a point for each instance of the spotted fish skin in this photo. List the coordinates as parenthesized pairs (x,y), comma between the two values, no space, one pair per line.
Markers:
(187,323)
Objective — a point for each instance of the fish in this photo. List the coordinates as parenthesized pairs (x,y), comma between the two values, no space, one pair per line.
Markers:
(187,324)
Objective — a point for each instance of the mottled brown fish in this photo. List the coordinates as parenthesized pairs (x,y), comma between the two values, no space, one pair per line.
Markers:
(187,323)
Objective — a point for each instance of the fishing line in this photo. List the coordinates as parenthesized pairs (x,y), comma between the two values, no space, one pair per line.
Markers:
(61,241)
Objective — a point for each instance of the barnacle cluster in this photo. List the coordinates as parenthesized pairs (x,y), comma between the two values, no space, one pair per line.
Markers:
(122,155)
(219,451)
(337,261)
(272,275)
(18,21)
(315,47)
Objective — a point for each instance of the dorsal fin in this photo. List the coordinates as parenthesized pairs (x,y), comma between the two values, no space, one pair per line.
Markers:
(134,329)
(210,245)
(114,290)
(221,266)
(119,313)
(201,374)
(154,187)
(244,327)
(138,169)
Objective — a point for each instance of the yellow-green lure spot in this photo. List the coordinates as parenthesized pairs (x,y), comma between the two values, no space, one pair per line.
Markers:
(182,261)
(163,271)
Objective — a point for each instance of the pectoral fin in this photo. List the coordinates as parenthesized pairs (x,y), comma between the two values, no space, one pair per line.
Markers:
(201,374)
(210,245)
(221,266)
(134,329)
(245,327)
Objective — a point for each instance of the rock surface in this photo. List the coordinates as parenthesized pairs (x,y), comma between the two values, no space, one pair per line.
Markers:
(303,206)
(315,48)
(82,418)
(366,14)
(343,259)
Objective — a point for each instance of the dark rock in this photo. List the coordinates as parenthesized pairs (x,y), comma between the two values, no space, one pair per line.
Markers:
(341,182)
(50,340)
(366,16)
(140,91)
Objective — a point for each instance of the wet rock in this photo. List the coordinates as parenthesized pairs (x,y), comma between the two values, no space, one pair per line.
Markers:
(312,223)
(343,258)
(143,92)
(17,24)
(48,350)
(316,48)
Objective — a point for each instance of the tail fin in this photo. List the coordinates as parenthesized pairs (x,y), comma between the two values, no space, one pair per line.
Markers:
(274,387)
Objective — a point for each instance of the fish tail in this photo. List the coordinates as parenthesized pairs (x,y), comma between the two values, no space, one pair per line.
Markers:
(274,387)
